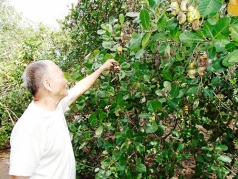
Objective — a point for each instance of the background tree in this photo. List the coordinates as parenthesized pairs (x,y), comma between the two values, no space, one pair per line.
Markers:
(22,43)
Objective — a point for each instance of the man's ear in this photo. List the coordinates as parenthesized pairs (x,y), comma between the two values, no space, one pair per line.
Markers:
(47,84)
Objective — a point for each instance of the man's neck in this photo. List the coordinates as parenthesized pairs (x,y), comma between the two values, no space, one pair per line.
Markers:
(46,103)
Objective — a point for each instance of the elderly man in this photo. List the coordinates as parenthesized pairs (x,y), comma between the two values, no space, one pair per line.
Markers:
(40,141)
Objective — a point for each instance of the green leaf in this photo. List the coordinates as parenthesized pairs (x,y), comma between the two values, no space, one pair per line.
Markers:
(167,85)
(173,103)
(174,90)
(151,127)
(140,167)
(98,132)
(234,32)
(119,100)
(102,116)
(208,93)
(108,56)
(103,26)
(140,147)
(200,159)
(144,115)
(234,20)
(125,65)
(221,147)
(171,172)
(167,75)
(208,7)
(222,28)
(108,28)
(93,119)
(139,54)
(158,36)
(106,37)
(230,47)
(146,78)
(145,40)
(224,158)
(190,37)
(154,3)
(136,41)
(145,18)
(206,148)
(231,59)
(105,86)
(100,32)
(181,93)
(108,44)
(160,131)
(217,65)
(174,34)
(153,106)
(220,44)
(121,165)
(193,90)
(162,23)
(180,146)
(171,24)
(179,70)
(121,18)
(138,176)
(129,133)
(207,29)
(211,52)
(218,31)
(162,47)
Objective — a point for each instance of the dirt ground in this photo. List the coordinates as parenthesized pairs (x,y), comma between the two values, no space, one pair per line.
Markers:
(4,163)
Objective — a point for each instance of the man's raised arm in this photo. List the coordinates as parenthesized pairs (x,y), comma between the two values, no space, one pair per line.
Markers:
(83,85)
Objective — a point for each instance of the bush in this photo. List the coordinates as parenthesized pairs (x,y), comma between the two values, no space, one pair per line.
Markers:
(174,100)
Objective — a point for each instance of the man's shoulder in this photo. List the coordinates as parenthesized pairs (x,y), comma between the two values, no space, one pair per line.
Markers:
(32,120)
(64,103)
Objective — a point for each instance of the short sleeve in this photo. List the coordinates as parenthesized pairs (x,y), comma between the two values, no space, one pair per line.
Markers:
(26,151)
(64,103)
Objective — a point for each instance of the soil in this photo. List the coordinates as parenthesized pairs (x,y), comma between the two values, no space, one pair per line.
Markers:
(4,163)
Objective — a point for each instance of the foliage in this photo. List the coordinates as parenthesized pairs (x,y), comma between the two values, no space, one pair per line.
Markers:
(175,98)
(83,22)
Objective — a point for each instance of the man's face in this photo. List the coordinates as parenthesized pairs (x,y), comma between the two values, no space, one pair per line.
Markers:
(58,82)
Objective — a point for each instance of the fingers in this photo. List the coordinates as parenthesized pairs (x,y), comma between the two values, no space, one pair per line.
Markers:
(113,61)
(113,65)
(116,67)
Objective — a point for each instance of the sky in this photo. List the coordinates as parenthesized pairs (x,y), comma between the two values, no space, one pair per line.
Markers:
(45,11)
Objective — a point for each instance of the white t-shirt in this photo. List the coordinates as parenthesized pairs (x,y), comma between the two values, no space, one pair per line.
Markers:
(41,145)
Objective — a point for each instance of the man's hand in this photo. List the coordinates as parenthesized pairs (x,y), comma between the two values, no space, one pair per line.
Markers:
(111,65)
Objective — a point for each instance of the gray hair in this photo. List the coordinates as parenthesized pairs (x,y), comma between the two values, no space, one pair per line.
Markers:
(33,75)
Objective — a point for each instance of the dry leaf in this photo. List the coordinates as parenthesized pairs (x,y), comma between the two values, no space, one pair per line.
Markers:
(232,7)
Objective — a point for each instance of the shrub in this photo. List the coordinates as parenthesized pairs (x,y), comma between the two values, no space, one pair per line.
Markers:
(175,98)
